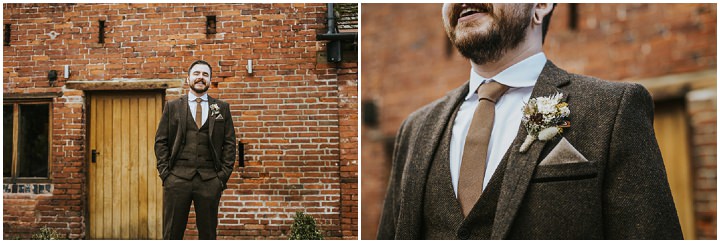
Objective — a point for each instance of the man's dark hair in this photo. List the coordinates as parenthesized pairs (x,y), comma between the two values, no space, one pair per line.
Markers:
(200,62)
(546,22)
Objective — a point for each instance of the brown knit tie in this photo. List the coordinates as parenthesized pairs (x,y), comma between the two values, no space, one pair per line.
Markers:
(472,169)
(198,112)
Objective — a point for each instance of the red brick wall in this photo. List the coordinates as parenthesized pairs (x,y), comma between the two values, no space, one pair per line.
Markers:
(631,41)
(702,109)
(404,70)
(296,113)
(348,111)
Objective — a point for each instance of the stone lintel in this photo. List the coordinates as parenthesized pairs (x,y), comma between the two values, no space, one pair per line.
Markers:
(44,95)
(678,85)
(125,84)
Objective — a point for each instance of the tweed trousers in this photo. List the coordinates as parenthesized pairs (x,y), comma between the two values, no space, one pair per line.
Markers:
(178,193)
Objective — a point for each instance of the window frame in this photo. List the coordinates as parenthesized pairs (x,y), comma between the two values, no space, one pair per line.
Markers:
(14,178)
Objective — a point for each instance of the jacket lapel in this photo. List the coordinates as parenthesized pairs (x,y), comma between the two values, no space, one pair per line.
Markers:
(419,158)
(211,118)
(520,166)
(183,116)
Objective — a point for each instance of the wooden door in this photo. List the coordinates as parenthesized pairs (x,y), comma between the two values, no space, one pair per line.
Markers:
(125,191)
(671,130)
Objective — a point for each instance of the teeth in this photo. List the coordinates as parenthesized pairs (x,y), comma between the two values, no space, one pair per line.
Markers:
(467,10)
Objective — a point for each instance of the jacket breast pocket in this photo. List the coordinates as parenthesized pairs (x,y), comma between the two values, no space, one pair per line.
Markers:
(219,126)
(563,201)
(564,172)
(218,133)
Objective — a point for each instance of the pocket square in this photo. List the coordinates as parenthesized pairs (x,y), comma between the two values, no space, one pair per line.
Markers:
(219,117)
(563,153)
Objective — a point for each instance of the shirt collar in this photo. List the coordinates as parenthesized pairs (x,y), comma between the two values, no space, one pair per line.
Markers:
(192,97)
(522,74)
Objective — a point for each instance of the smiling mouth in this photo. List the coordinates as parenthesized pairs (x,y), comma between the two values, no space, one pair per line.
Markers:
(468,10)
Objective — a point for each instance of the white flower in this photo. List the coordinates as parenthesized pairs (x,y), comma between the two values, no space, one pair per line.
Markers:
(564,111)
(548,118)
(546,105)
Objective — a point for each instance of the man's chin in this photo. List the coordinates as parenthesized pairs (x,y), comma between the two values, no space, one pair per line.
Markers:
(468,34)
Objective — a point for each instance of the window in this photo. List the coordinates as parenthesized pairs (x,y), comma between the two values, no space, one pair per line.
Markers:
(26,139)
(6,36)
(573,16)
(211,25)
(101,31)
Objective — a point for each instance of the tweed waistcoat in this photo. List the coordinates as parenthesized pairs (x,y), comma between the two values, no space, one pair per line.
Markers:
(195,156)
(442,214)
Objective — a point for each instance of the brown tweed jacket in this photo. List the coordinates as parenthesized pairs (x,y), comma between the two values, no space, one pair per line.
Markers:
(170,137)
(621,193)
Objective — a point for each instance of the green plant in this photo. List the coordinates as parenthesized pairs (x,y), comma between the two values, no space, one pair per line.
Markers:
(304,228)
(46,234)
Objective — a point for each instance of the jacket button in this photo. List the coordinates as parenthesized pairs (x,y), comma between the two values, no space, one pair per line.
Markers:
(463,233)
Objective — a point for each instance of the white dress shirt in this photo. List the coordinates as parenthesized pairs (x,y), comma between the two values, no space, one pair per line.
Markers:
(521,78)
(193,104)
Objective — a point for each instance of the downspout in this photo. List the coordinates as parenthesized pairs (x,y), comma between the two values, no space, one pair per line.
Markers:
(334,47)
(332,33)
(331,19)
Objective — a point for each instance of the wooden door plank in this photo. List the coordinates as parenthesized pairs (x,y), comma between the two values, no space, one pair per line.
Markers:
(671,129)
(152,187)
(143,154)
(124,167)
(106,166)
(133,188)
(158,182)
(117,167)
(92,169)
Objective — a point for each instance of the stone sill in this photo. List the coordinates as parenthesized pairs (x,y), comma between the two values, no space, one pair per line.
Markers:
(28,188)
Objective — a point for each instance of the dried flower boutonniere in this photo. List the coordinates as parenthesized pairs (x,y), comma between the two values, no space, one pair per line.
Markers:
(215,111)
(543,118)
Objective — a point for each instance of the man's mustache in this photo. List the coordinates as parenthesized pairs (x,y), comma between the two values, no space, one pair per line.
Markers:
(200,80)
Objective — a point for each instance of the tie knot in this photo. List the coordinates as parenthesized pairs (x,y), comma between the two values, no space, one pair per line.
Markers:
(492,91)
(198,100)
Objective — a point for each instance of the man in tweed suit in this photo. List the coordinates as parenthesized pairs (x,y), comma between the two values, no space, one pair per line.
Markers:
(195,150)
(602,177)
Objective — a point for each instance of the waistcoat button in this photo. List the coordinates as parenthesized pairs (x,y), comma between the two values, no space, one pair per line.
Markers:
(463,233)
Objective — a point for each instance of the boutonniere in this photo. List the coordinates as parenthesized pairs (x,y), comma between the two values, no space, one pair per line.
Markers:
(215,111)
(543,118)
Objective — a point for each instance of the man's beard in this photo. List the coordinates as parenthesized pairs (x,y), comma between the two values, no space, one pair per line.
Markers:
(506,32)
(199,91)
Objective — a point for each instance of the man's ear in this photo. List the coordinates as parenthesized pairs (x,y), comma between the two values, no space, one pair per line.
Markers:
(541,9)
